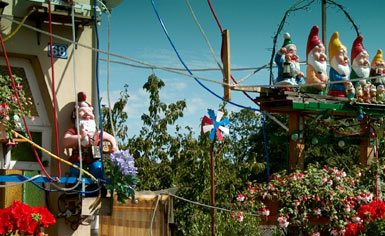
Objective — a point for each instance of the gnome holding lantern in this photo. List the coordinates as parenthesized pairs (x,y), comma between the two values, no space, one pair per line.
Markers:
(378,69)
(339,66)
(360,63)
(288,64)
(316,63)
(89,139)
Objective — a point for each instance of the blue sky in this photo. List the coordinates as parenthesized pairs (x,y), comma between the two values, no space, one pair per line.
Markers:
(136,33)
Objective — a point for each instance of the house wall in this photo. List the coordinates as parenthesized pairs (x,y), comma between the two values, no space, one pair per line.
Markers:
(24,44)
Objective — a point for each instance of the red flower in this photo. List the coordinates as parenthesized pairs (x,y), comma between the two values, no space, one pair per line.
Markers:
(353,229)
(46,217)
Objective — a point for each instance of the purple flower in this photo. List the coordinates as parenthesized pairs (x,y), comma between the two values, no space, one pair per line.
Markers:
(124,161)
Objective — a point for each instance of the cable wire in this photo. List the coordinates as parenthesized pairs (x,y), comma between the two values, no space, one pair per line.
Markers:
(53,88)
(20,183)
(181,60)
(204,35)
(208,206)
(19,26)
(62,160)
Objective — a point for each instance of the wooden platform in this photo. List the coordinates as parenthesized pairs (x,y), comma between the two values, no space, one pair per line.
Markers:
(277,101)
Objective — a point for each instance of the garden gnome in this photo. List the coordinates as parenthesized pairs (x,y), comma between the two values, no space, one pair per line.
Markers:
(316,63)
(288,64)
(380,93)
(360,62)
(366,95)
(89,139)
(350,91)
(378,68)
(339,66)
(373,94)
(359,93)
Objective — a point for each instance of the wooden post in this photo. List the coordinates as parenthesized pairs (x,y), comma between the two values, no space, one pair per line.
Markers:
(296,147)
(212,175)
(226,64)
(366,150)
(324,22)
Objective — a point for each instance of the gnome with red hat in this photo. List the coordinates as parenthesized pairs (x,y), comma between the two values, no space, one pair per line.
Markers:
(339,66)
(360,63)
(89,139)
(288,64)
(316,63)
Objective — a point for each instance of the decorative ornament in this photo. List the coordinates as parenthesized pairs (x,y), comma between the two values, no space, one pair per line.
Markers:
(341,143)
(215,125)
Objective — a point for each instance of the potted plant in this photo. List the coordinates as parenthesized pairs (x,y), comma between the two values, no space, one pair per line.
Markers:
(10,113)
(318,201)
(21,219)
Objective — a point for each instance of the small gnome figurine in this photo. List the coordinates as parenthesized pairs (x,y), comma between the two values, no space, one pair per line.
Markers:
(373,93)
(350,93)
(380,94)
(366,96)
(378,68)
(359,93)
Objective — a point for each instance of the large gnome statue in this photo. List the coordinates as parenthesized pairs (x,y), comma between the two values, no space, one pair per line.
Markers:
(89,139)
(339,66)
(360,63)
(316,63)
(378,69)
(288,64)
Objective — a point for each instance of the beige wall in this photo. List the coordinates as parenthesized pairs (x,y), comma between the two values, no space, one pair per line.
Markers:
(24,44)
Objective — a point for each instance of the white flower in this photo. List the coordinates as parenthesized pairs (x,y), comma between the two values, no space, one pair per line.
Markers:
(356,219)
(240,218)
(334,232)
(265,212)
(317,211)
(316,234)
(240,198)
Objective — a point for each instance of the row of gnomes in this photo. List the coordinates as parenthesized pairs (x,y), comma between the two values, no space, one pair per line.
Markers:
(353,83)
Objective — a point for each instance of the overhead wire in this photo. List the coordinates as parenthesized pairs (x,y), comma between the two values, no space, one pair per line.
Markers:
(204,35)
(98,87)
(53,88)
(151,66)
(183,63)
(77,120)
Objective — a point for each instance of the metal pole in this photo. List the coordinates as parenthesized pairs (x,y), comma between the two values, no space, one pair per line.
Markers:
(324,22)
(212,189)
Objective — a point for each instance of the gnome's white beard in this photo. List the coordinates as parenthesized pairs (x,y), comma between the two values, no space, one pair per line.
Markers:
(317,65)
(361,71)
(341,69)
(88,125)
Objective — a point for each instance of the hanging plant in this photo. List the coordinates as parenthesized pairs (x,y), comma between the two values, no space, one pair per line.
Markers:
(10,113)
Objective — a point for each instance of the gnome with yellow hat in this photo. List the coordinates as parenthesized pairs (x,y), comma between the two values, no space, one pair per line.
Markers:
(288,64)
(378,68)
(316,63)
(339,66)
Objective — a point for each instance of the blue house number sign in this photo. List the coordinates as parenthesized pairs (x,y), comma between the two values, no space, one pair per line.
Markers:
(59,50)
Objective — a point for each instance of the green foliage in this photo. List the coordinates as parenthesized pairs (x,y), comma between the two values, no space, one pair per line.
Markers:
(377,227)
(10,113)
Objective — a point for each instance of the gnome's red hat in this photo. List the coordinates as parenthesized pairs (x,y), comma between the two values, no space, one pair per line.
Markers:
(357,48)
(82,97)
(313,39)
